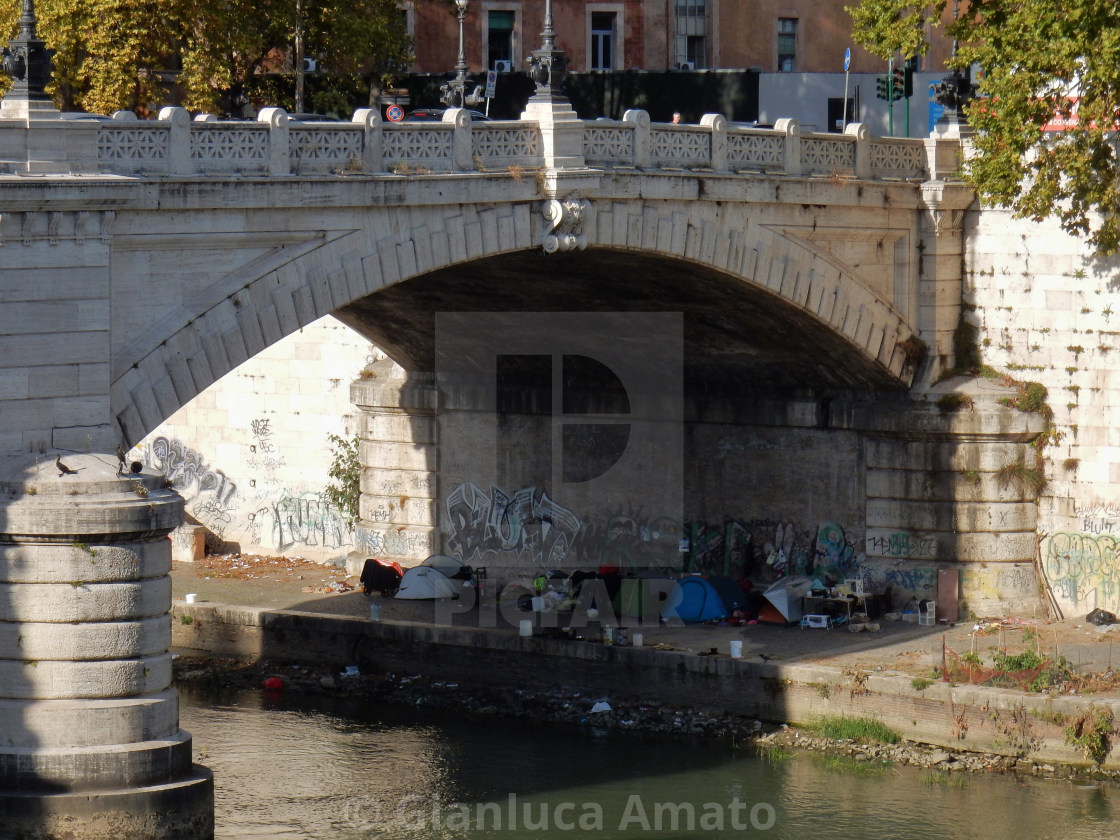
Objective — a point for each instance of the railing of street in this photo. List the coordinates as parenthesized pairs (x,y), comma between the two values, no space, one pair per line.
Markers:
(274,144)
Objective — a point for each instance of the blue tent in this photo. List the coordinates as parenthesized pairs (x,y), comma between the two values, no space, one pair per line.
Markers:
(693,600)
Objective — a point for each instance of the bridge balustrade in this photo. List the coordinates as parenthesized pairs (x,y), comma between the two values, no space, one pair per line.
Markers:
(275,145)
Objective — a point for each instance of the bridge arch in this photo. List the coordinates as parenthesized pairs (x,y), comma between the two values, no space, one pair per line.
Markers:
(670,245)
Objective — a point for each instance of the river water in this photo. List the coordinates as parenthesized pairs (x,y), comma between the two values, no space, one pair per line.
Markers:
(338,769)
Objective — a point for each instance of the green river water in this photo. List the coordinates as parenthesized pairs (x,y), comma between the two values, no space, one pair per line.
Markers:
(339,770)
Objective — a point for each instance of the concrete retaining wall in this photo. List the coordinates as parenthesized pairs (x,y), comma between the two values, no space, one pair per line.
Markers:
(968,718)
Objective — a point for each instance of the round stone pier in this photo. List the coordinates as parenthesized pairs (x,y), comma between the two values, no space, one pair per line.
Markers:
(90,744)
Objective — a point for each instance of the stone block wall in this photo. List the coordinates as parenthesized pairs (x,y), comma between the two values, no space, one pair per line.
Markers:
(251,454)
(1046,311)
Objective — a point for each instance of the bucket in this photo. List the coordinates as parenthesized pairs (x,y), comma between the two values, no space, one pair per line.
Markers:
(736,646)
(190,597)
(538,603)
(927,613)
(525,628)
(637,640)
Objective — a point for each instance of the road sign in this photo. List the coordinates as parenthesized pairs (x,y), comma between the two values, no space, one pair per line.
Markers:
(394,113)
(491,83)
(847,59)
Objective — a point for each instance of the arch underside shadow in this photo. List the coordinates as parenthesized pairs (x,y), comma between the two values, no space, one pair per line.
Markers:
(762,312)
(738,338)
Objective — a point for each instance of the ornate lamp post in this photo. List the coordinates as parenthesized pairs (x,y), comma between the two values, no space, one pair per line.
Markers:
(548,65)
(453,93)
(28,61)
(954,91)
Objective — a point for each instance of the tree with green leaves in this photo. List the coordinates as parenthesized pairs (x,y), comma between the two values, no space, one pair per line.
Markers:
(1041,60)
(126,54)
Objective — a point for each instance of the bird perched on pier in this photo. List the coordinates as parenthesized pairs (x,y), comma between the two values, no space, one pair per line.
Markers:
(62,468)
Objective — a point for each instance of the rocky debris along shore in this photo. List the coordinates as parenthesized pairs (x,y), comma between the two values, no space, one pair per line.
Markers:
(567,705)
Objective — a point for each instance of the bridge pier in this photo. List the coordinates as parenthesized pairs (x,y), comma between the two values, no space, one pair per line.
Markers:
(946,490)
(90,744)
(398,449)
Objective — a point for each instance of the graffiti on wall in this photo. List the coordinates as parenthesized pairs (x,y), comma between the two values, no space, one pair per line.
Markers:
(527,527)
(526,524)
(905,545)
(307,519)
(1084,569)
(262,451)
(629,541)
(271,514)
(209,493)
(394,542)
(722,550)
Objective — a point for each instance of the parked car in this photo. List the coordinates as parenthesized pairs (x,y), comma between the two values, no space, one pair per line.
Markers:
(436,115)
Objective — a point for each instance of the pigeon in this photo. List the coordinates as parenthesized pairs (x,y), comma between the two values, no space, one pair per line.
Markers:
(62,468)
(764,657)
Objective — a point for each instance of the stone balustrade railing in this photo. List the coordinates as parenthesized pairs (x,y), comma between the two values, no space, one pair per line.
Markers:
(274,144)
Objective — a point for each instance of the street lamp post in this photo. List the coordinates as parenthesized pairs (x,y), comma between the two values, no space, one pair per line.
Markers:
(548,65)
(453,93)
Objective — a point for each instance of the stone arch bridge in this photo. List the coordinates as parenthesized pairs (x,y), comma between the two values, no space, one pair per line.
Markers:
(816,277)
(764,314)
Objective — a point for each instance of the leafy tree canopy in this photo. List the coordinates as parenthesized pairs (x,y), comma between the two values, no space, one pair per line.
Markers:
(126,54)
(1040,60)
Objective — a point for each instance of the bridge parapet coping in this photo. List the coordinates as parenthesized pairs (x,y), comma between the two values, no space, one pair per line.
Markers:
(276,145)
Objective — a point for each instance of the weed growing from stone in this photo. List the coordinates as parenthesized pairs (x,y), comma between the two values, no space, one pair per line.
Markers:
(1091,732)
(844,728)
(346,470)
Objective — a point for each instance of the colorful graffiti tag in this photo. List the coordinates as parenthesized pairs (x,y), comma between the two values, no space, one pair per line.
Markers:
(1084,569)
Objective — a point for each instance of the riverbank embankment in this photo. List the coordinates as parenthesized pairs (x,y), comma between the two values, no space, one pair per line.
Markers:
(678,674)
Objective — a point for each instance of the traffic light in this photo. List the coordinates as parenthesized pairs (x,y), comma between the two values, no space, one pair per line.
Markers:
(881,87)
(898,77)
(908,80)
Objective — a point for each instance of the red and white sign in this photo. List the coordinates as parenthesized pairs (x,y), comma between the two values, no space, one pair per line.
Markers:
(394,113)
(1061,123)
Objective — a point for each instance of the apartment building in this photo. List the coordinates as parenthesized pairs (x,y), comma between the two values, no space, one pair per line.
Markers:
(775,36)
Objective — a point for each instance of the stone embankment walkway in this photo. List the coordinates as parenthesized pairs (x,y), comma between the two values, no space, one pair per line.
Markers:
(681,680)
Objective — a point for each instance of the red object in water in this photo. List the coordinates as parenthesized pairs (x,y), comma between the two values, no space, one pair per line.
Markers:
(273,684)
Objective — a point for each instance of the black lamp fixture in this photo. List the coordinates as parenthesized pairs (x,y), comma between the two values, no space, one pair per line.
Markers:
(548,65)
(27,60)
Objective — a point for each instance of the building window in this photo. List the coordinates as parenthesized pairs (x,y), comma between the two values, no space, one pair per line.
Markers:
(499,26)
(691,33)
(694,49)
(602,41)
(787,45)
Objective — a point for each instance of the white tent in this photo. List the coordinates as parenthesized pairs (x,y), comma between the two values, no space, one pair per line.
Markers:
(434,578)
(786,595)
